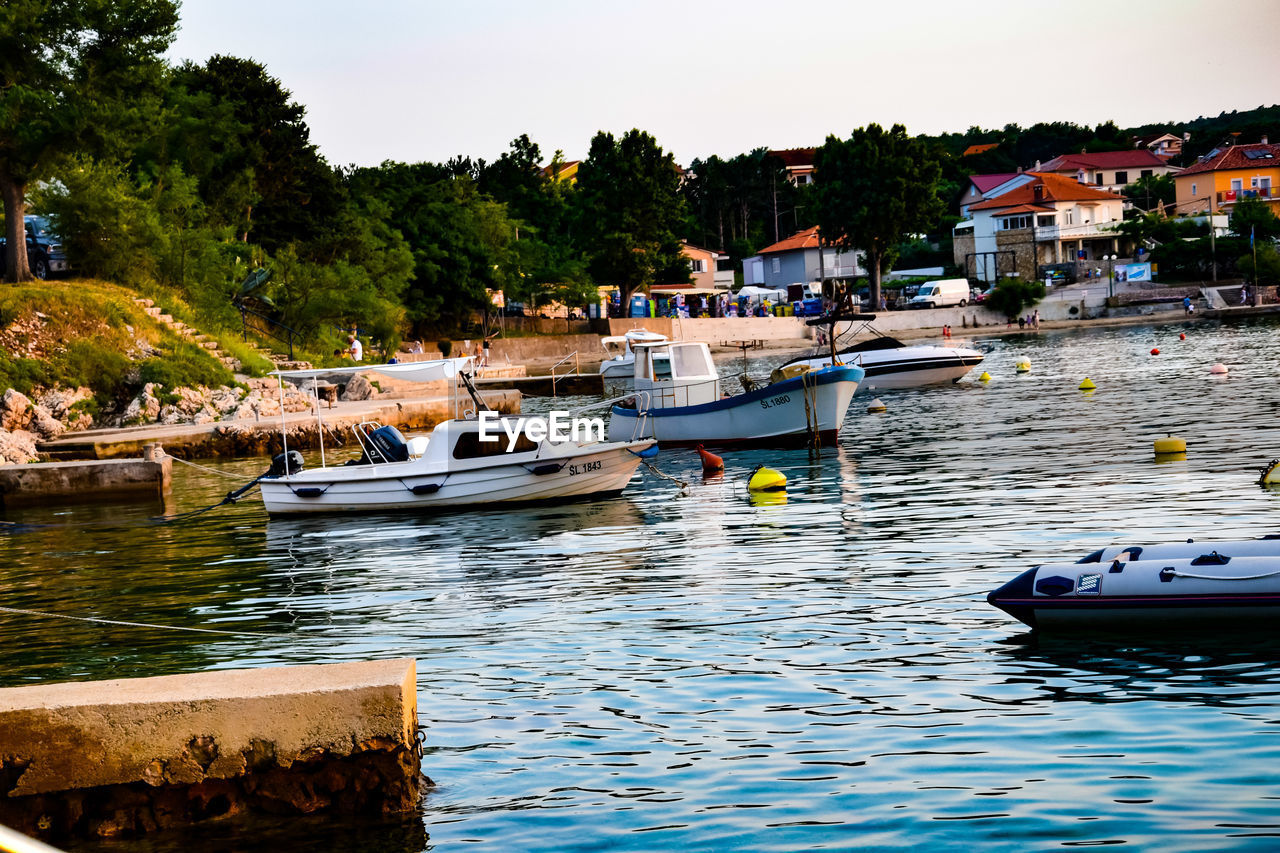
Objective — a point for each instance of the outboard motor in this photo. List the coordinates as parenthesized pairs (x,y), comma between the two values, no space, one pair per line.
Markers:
(283,464)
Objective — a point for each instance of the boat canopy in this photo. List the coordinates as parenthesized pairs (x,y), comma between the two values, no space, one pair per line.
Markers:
(413,371)
(875,344)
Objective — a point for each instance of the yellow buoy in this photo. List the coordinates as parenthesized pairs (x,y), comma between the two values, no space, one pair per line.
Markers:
(1169,444)
(1087,384)
(877,406)
(1270,474)
(767,480)
(985,377)
(1023,365)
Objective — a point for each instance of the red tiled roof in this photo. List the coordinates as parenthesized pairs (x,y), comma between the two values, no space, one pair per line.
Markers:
(1132,158)
(1235,157)
(1053,188)
(806,239)
(1028,208)
(986,183)
(793,157)
(978,149)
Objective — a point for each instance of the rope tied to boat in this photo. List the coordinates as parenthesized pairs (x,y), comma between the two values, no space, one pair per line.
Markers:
(653,469)
(207,469)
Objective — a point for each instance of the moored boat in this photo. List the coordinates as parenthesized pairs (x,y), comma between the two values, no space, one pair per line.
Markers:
(679,397)
(1167,586)
(889,363)
(469,462)
(622,361)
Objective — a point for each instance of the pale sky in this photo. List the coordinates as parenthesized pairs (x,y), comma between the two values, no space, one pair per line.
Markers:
(427,80)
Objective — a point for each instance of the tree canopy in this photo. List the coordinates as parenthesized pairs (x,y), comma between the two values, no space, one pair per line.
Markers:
(71,72)
(632,212)
(873,189)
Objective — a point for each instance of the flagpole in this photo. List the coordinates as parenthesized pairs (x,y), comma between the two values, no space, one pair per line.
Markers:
(1257,292)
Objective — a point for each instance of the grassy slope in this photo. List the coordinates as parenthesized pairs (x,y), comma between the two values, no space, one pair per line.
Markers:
(84,332)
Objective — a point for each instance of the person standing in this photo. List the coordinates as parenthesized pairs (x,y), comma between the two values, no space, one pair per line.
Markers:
(354,347)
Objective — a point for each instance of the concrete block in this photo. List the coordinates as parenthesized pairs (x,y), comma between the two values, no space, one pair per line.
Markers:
(124,756)
(68,482)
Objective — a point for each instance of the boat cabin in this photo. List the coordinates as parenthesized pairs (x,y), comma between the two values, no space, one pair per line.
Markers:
(677,373)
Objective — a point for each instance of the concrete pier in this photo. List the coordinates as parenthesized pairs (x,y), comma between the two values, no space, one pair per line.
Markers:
(124,757)
(66,482)
(259,438)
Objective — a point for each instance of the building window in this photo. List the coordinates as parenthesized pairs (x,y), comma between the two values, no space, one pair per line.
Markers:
(697,265)
(1010,223)
(1045,220)
(777,265)
(1097,179)
(1193,190)
(1071,217)
(1122,177)
(1146,173)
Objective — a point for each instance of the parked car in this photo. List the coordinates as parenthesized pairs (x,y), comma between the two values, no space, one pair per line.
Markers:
(44,249)
(983,296)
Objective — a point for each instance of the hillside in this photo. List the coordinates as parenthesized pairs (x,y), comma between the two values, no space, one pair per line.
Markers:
(79,353)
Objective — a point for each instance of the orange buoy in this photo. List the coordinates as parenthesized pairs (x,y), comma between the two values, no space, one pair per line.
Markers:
(1155,351)
(710,462)
(1182,337)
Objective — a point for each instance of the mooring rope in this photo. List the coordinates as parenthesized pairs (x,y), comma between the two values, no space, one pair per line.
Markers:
(844,612)
(118,622)
(653,469)
(208,469)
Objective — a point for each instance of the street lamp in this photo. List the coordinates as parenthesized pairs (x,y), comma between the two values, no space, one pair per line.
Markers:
(1111,264)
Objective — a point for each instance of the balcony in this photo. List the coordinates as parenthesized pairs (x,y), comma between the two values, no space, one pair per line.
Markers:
(1087,231)
(1232,196)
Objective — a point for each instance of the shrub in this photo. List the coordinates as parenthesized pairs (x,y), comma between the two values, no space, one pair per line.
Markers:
(1012,295)
(186,366)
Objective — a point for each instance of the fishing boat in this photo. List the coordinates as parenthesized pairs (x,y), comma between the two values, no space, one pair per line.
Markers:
(889,363)
(680,400)
(622,360)
(478,460)
(1171,586)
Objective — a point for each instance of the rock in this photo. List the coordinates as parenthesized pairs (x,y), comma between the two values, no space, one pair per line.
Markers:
(144,407)
(45,424)
(359,388)
(15,410)
(17,447)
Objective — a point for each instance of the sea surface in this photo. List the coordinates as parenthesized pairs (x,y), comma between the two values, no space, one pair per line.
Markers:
(700,670)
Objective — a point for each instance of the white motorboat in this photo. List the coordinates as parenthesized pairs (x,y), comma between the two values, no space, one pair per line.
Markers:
(1171,586)
(622,360)
(466,462)
(679,402)
(889,363)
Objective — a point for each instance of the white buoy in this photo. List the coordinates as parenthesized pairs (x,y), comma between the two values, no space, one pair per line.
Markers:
(877,406)
(1218,369)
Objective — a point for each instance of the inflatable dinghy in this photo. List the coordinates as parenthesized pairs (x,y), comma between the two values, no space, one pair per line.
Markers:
(1140,587)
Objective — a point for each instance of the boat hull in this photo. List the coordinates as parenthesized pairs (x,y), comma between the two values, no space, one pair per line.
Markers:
(1172,594)
(593,472)
(908,367)
(790,412)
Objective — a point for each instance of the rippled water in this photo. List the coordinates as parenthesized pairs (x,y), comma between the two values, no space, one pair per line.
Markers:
(605,676)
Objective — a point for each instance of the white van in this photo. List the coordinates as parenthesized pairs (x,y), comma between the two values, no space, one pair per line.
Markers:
(941,294)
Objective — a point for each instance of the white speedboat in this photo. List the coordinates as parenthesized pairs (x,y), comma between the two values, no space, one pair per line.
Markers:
(622,360)
(1171,586)
(889,363)
(466,462)
(679,402)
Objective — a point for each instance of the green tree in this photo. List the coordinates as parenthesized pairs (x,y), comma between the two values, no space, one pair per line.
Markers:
(70,72)
(630,212)
(1253,217)
(1266,271)
(1147,192)
(1011,295)
(872,190)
